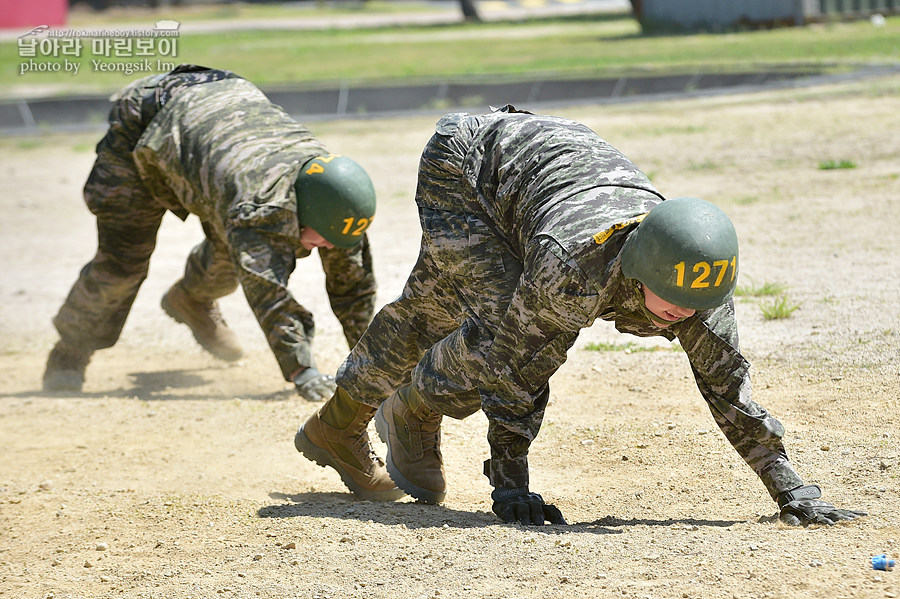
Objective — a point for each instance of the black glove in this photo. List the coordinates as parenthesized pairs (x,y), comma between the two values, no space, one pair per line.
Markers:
(518,505)
(314,386)
(802,507)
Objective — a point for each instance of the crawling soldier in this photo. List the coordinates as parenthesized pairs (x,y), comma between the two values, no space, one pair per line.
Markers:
(532,228)
(207,142)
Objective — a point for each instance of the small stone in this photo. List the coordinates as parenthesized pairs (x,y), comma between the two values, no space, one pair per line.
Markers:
(105,579)
(46,485)
(290,545)
(88,564)
(346,540)
(102,547)
(257,557)
(56,562)
(816,564)
(825,448)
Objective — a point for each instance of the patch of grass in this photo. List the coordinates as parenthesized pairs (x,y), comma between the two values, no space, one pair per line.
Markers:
(677,129)
(706,165)
(779,308)
(830,165)
(628,348)
(30,143)
(764,290)
(589,45)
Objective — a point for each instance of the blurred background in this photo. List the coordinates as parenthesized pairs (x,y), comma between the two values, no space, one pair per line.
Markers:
(61,59)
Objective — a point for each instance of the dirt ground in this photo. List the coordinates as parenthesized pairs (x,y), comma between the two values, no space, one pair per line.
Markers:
(174,475)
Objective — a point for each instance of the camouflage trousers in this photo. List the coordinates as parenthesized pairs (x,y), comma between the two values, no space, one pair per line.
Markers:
(437,333)
(128,218)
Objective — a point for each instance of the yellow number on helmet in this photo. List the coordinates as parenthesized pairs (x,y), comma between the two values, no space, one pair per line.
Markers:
(315,168)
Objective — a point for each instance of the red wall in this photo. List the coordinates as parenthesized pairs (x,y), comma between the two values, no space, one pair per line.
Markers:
(16,14)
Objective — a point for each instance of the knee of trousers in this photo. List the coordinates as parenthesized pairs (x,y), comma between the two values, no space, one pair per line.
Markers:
(445,397)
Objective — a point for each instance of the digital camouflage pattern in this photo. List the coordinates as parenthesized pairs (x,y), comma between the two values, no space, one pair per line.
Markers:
(523,219)
(206,142)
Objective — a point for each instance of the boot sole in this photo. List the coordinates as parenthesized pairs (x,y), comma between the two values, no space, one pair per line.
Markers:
(383,429)
(323,458)
(169,309)
(63,380)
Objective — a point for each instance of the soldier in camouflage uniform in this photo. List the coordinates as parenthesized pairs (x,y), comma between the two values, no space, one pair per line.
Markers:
(267,192)
(526,226)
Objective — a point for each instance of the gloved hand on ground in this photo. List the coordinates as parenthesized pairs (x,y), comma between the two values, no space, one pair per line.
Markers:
(524,507)
(802,507)
(312,385)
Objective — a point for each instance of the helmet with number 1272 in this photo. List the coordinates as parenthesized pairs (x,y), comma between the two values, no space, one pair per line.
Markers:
(336,198)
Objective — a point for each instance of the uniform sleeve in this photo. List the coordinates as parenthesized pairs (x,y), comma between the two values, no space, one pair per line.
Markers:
(262,248)
(350,283)
(551,304)
(723,378)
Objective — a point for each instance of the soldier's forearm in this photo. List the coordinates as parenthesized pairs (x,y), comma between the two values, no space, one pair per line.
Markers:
(780,477)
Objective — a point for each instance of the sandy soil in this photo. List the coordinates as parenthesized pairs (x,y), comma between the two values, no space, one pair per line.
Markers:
(174,475)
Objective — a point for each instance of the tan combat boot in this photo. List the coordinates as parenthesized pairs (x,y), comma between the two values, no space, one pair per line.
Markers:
(348,451)
(65,368)
(413,438)
(205,322)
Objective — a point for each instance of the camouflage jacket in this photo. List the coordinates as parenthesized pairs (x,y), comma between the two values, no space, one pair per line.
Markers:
(563,200)
(222,151)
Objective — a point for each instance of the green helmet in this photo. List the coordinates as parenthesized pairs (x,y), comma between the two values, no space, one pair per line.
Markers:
(335,197)
(685,251)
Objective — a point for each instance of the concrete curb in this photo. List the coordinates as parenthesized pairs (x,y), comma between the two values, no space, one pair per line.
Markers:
(83,113)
